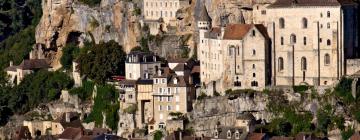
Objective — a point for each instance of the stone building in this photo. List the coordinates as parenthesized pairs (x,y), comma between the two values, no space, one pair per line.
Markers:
(158,14)
(313,46)
(144,101)
(141,65)
(172,92)
(233,55)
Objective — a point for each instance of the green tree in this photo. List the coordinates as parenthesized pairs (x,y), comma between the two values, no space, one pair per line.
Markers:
(158,135)
(102,61)
(69,53)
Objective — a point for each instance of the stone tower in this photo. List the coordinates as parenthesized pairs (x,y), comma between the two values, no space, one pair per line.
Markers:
(204,22)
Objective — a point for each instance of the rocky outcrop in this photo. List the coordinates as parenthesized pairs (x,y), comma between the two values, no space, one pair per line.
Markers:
(224,110)
(66,21)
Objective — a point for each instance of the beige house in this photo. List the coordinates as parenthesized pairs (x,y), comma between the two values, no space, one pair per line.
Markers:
(161,13)
(233,55)
(172,92)
(141,65)
(17,73)
(66,120)
(313,46)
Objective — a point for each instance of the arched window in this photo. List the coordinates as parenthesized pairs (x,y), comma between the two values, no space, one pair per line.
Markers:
(328,42)
(253,52)
(328,14)
(282,40)
(253,66)
(303,63)
(254,74)
(281,23)
(304,23)
(281,64)
(327,59)
(254,84)
(292,39)
(305,41)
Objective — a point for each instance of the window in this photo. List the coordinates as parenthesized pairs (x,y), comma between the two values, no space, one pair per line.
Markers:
(282,40)
(254,84)
(160,107)
(254,75)
(169,99)
(163,81)
(303,63)
(237,84)
(237,135)
(168,107)
(305,41)
(327,59)
(228,134)
(253,33)
(328,25)
(161,125)
(320,40)
(281,64)
(130,96)
(253,52)
(281,23)
(156,81)
(263,12)
(328,42)
(304,23)
(253,66)
(328,14)
(321,14)
(292,39)
(216,134)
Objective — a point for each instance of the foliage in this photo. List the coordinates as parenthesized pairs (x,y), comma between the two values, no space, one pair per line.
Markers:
(69,53)
(158,135)
(137,11)
(343,91)
(185,52)
(177,116)
(17,15)
(131,109)
(202,96)
(345,135)
(216,93)
(91,3)
(102,61)
(105,102)
(300,88)
(16,47)
(84,92)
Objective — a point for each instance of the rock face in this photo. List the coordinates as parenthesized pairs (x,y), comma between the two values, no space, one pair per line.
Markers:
(209,112)
(68,20)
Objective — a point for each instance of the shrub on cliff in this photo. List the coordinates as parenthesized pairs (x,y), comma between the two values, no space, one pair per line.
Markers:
(91,3)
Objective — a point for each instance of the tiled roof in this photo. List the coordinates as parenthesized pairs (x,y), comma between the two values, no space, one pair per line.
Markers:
(181,67)
(292,3)
(256,136)
(178,60)
(70,133)
(34,64)
(355,136)
(281,138)
(236,31)
(74,120)
(195,69)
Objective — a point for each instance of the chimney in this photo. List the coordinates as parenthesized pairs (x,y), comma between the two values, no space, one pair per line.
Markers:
(67,117)
(11,63)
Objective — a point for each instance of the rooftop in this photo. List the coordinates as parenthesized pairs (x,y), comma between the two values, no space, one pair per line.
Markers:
(306,3)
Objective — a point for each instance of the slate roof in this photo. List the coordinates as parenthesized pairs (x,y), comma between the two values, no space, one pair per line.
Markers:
(256,136)
(30,64)
(70,133)
(204,15)
(223,131)
(307,3)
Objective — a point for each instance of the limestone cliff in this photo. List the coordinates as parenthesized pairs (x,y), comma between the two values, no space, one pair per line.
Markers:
(69,20)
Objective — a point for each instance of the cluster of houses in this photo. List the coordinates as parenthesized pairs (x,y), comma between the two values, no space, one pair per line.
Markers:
(287,43)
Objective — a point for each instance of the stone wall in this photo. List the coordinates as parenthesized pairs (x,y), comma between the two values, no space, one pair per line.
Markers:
(352,66)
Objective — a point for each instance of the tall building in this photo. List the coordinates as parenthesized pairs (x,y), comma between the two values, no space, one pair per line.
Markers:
(160,13)
(311,40)
(234,55)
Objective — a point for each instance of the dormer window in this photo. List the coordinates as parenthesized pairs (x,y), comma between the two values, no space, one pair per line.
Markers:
(229,134)
(175,81)
(216,135)
(237,135)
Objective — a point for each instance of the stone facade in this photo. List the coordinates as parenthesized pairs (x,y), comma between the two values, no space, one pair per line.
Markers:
(172,92)
(311,47)
(229,56)
(141,65)
(158,14)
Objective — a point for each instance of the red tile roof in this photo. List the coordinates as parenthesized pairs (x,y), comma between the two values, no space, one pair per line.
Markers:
(70,133)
